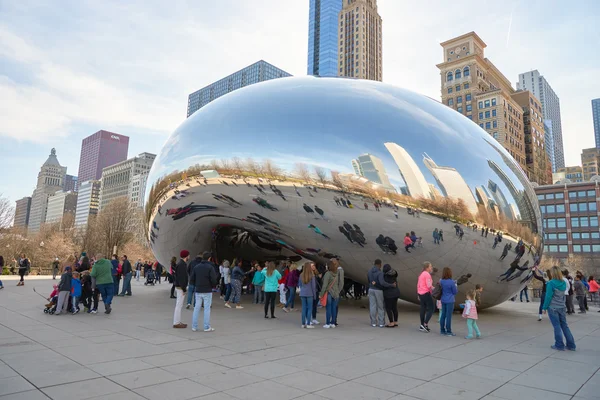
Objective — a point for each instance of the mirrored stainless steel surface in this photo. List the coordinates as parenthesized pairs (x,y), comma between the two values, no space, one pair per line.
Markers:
(306,168)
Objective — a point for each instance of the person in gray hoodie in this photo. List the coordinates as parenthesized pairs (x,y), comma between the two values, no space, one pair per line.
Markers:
(579,290)
(64,291)
(376,285)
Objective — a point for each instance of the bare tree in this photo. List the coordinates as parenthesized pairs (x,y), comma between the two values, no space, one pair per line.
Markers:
(238,166)
(7,212)
(115,224)
(225,165)
(214,165)
(302,171)
(253,167)
(270,169)
(335,179)
(321,175)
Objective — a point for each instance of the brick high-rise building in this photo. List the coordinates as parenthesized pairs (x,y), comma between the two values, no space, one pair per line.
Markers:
(360,40)
(100,150)
(473,86)
(533,122)
(70,183)
(590,162)
(22,210)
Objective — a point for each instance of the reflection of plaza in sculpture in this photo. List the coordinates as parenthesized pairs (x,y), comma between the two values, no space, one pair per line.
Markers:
(270,172)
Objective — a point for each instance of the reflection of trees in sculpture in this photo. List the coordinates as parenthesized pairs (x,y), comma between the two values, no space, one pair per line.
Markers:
(335,179)
(271,170)
(456,209)
(302,171)
(237,165)
(501,222)
(321,175)
(253,167)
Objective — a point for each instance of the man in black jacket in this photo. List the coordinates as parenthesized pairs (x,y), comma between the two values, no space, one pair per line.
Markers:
(127,273)
(181,282)
(203,278)
(191,300)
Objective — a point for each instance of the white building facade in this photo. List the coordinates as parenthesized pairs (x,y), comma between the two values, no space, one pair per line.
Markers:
(124,180)
(87,202)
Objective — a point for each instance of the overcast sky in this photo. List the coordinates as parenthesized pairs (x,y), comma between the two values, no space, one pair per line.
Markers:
(71,68)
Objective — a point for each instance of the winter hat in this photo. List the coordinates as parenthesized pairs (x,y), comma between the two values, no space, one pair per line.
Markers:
(55,286)
(67,268)
(184,253)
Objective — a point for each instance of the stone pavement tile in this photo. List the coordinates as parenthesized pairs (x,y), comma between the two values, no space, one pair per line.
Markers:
(250,358)
(186,345)
(591,389)
(572,376)
(207,353)
(183,389)
(158,338)
(354,391)
(106,338)
(119,366)
(511,391)
(6,371)
(309,381)
(215,396)
(136,348)
(433,391)
(539,346)
(462,380)
(588,352)
(29,395)
(14,384)
(163,360)
(228,379)
(245,346)
(390,382)
(347,370)
(511,360)
(95,333)
(127,395)
(271,370)
(18,345)
(464,353)
(397,356)
(194,368)
(402,397)
(138,379)
(265,390)
(311,396)
(91,353)
(84,389)
(426,368)
(496,374)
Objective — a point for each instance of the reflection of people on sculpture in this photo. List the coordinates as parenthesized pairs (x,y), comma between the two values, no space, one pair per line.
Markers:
(310,194)
(337,201)
(345,233)
(298,193)
(513,267)
(264,218)
(309,210)
(231,199)
(436,236)
(219,197)
(505,251)
(264,204)
(234,183)
(343,201)
(408,243)
(178,213)
(366,206)
(356,237)
(260,190)
(320,212)
(318,231)
(463,279)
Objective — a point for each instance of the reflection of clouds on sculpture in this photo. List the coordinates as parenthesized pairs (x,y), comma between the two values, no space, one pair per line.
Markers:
(275,162)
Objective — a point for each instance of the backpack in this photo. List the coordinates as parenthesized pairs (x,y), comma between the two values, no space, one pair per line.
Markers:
(437,291)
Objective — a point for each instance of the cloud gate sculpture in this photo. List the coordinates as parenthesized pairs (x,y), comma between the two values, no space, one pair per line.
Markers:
(305,168)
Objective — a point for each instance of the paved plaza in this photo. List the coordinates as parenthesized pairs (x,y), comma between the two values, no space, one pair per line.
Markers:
(134,353)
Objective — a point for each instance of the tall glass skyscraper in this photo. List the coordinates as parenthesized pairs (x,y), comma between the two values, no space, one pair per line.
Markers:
(323,37)
(596,116)
(257,72)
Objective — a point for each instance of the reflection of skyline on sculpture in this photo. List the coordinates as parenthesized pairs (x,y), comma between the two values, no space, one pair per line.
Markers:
(371,167)
(416,184)
(451,183)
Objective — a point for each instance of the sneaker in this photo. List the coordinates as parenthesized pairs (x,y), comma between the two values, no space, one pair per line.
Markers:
(450,334)
(332,326)
(326,326)
(556,348)
(310,327)
(266,317)
(302,326)
(209,330)
(194,329)
(94,311)
(421,328)
(285,310)
(478,337)
(314,322)
(427,329)
(468,337)
(381,326)
(539,318)
(227,305)
(570,349)
(238,307)
(580,312)
(180,326)
(188,306)
(273,317)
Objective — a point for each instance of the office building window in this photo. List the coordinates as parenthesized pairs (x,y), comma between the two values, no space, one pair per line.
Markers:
(459,109)
(586,248)
(560,195)
(468,97)
(449,76)
(458,88)
(459,99)
(487,114)
(481,117)
(450,102)
(487,125)
(449,90)
(561,223)
(495,123)
(480,104)
(592,206)
(466,85)
(494,112)
(457,74)
(494,102)
(576,248)
(487,103)
(469,107)
(466,71)
(550,209)
(575,222)
(560,208)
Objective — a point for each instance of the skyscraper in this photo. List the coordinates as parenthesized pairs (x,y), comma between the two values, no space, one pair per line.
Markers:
(100,150)
(22,210)
(473,86)
(360,40)
(416,184)
(258,72)
(372,168)
(596,116)
(323,37)
(539,86)
(59,204)
(70,183)
(88,201)
(51,179)
(122,180)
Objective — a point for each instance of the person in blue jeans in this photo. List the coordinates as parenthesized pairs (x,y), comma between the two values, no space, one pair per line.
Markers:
(308,294)
(102,274)
(554,305)
(331,289)
(191,289)
(204,278)
(449,290)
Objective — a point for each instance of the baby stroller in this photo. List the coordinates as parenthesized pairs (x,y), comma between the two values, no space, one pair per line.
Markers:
(50,308)
(150,278)
(419,242)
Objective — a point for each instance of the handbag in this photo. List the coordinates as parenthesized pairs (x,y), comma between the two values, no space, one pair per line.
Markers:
(323,299)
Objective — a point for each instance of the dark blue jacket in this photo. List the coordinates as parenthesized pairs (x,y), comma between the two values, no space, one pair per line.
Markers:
(115,266)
